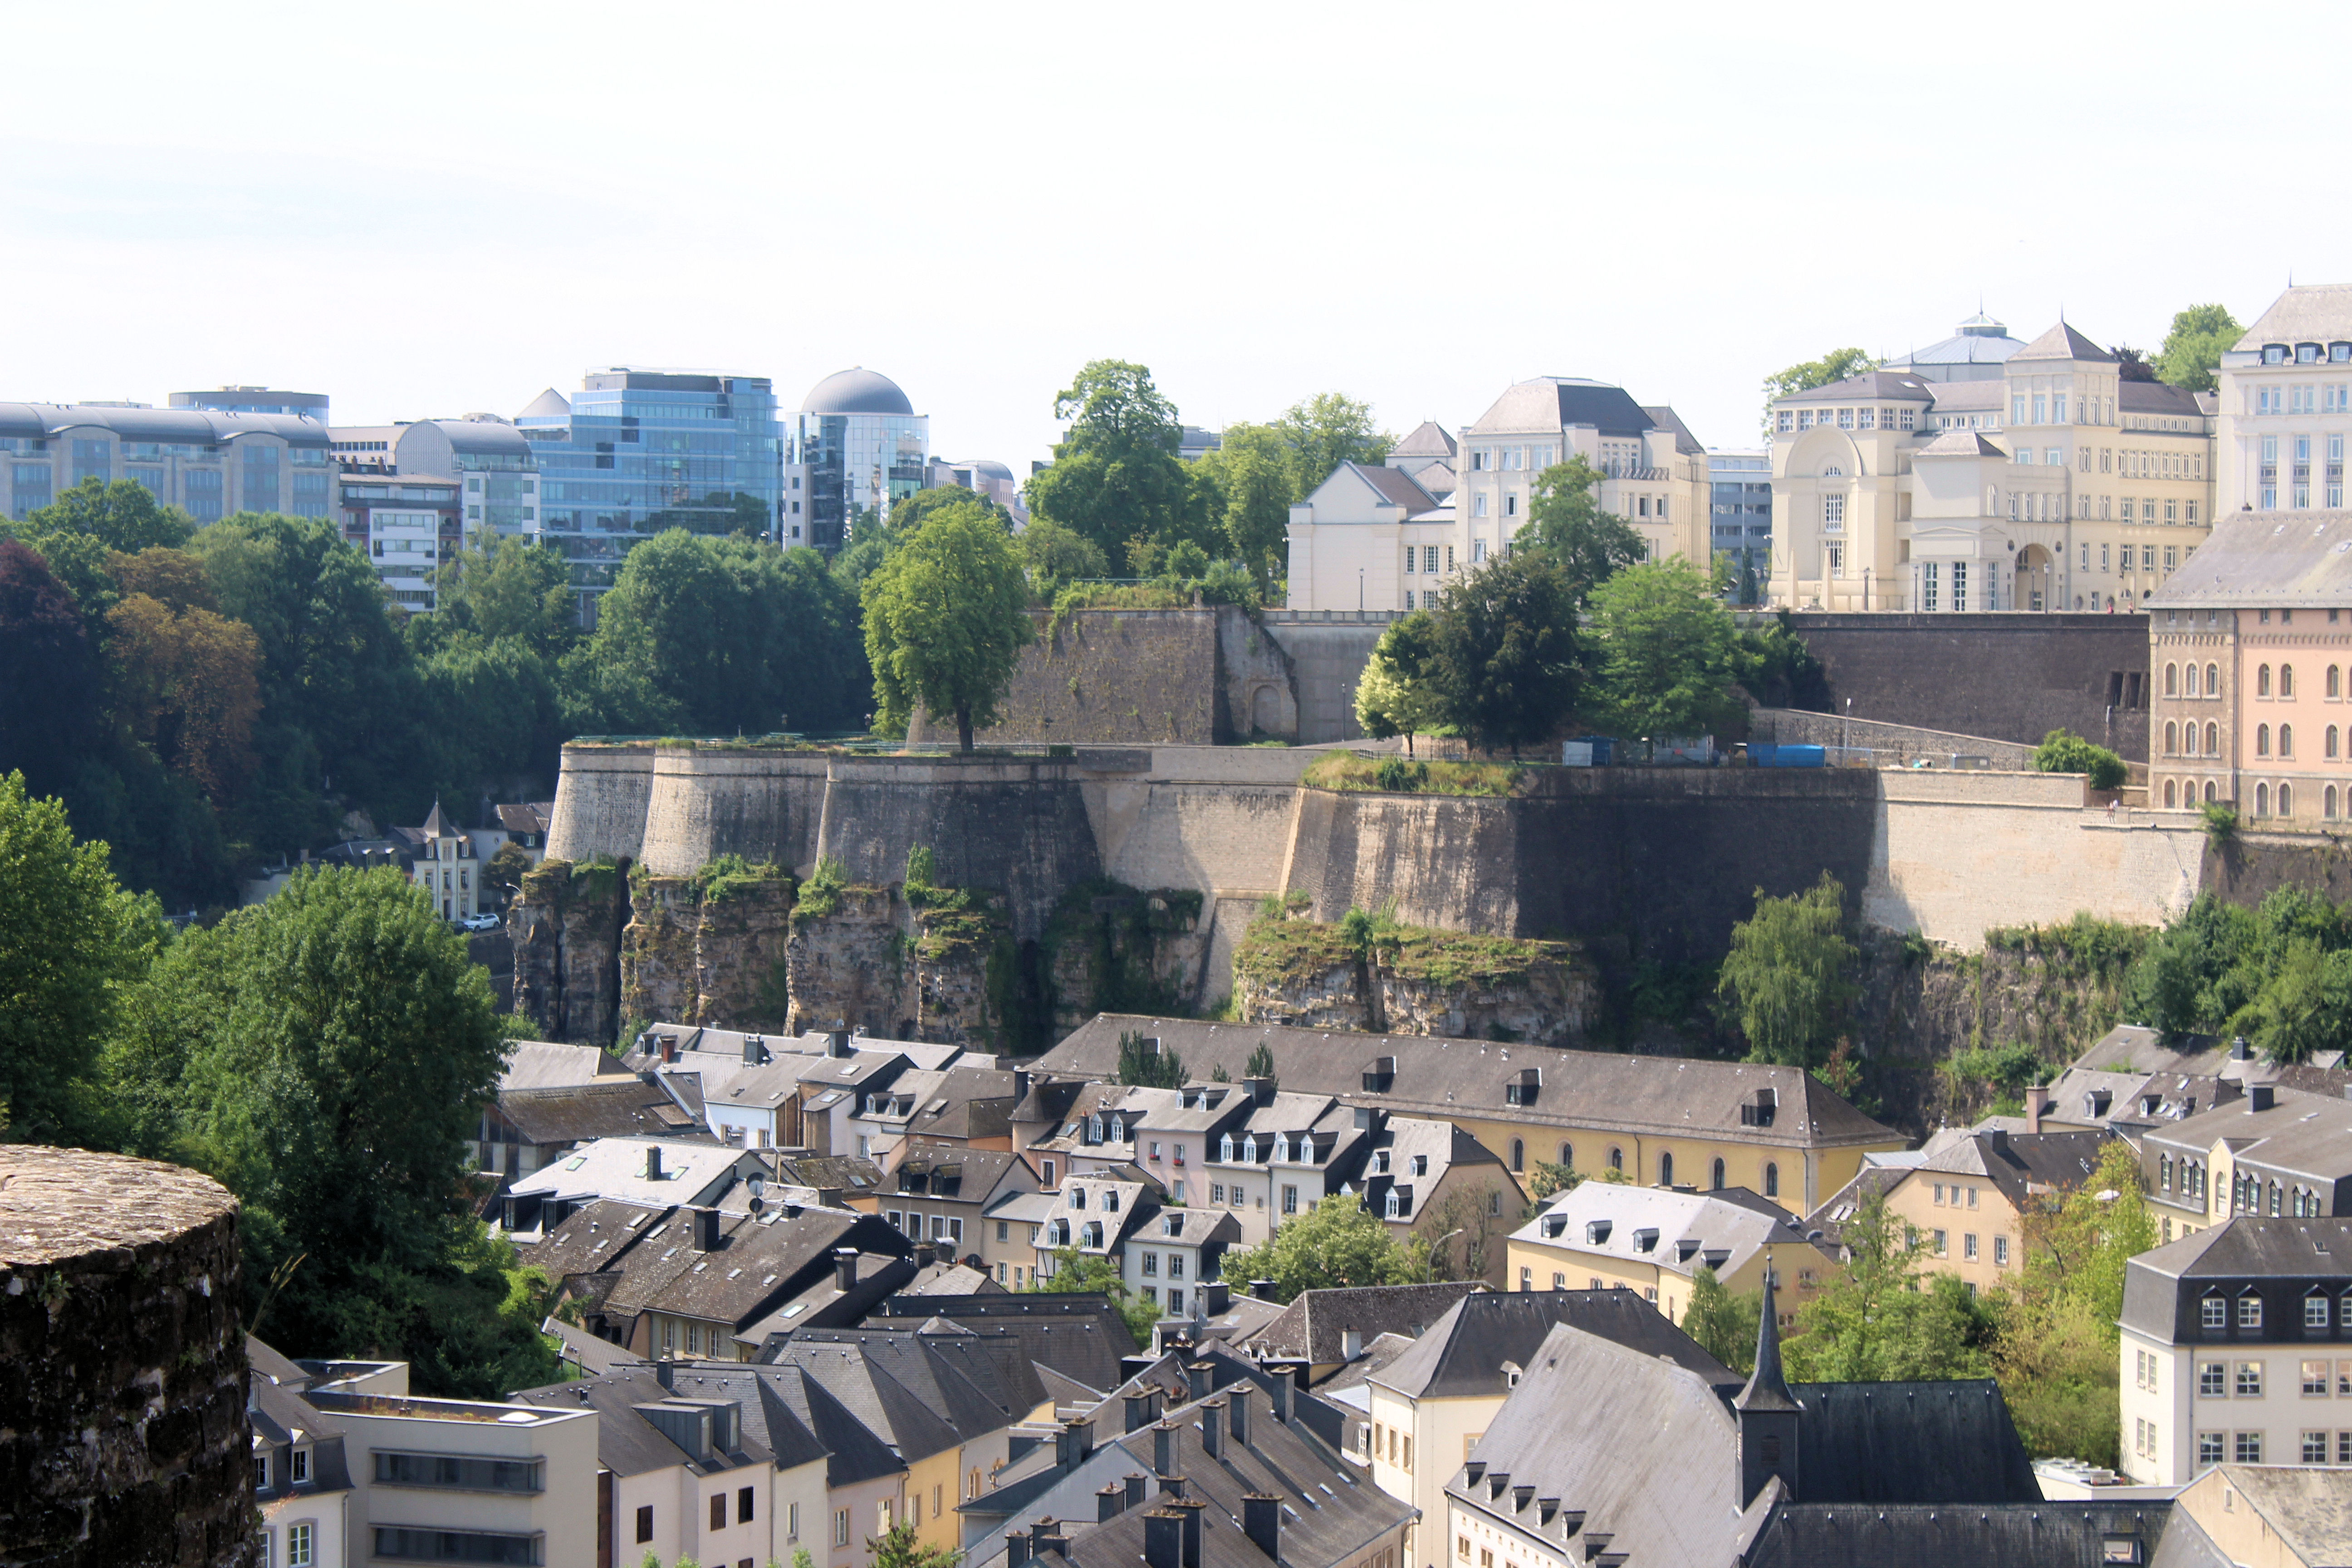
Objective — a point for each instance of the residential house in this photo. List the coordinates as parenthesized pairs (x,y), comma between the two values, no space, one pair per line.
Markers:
(526,825)
(1079,1336)
(1776,1131)
(1430,1180)
(696,1464)
(1012,1231)
(2283,1154)
(1653,1241)
(1094,1215)
(441,861)
(651,1172)
(943,1193)
(1169,1256)
(526,1130)
(1323,1330)
(1605,1452)
(2056,485)
(2249,654)
(972,1108)
(301,1472)
(2281,1516)
(830,1180)
(2237,1348)
(1427,1408)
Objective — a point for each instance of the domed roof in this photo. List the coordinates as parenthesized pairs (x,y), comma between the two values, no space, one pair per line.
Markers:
(989,466)
(856,391)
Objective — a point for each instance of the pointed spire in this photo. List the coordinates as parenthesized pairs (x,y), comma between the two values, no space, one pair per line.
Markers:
(1767,1390)
(433,824)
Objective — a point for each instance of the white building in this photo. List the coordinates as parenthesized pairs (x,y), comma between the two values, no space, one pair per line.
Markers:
(1173,1251)
(2285,404)
(442,863)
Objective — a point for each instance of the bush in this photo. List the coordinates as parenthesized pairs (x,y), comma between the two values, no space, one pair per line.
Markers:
(2062,752)
(2220,823)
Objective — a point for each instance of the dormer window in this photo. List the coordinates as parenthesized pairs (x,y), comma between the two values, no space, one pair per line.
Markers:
(261,1472)
(2250,1312)
(1094,1129)
(1281,1146)
(1077,1197)
(1392,1208)
(299,1460)
(1380,1163)
(1111,1200)
(1225,1147)
(1172,1226)
(1420,1165)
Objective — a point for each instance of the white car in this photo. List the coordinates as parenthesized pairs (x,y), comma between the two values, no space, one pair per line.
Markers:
(480,923)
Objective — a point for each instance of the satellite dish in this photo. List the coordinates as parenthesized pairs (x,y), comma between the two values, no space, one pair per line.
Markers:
(756,1186)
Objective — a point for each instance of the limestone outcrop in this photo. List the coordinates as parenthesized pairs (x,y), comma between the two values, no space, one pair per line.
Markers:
(566,926)
(1407,981)
(704,951)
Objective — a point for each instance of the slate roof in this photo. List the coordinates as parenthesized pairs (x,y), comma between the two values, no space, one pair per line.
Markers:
(2064,342)
(2017,1162)
(2308,1508)
(1461,1355)
(1427,439)
(2241,1248)
(1870,385)
(594,1356)
(1960,443)
(548,1064)
(1841,1207)
(757,1264)
(2015,1535)
(913,1426)
(594,1236)
(1311,1328)
(949,1279)
(2307,313)
(1662,417)
(628,1444)
(1445,1077)
(978,1174)
(1082,1335)
(2291,560)
(1679,1232)
(2303,1134)
(852,1173)
(533,817)
(2162,398)
(693,1170)
(1910,1442)
(575,1113)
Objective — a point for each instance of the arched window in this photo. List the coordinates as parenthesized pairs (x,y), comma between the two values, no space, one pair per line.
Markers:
(1616,1159)
(2286,739)
(1567,1156)
(2262,740)
(1717,1177)
(1519,1154)
(2168,794)
(2286,680)
(2262,681)
(2213,680)
(1665,1170)
(2262,800)
(2173,680)
(1771,1180)
(2209,796)
(2327,803)
(2212,740)
(2171,739)
(2286,800)
(2189,688)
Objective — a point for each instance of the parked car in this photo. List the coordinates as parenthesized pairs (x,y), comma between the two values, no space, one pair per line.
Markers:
(480,923)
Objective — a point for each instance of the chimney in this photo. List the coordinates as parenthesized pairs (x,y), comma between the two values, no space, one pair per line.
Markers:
(1281,1372)
(1163,1448)
(1259,1089)
(1172,1486)
(1190,1508)
(1262,1288)
(1142,1408)
(1237,1406)
(2034,1107)
(1163,1539)
(838,1043)
(669,1048)
(1212,1424)
(1202,1376)
(1020,1085)
(754,1054)
(1262,1522)
(1078,1436)
(1016,1549)
(2260,1097)
(1134,1480)
(923,1255)
(2239,1050)
(1109,1501)
(706,1230)
(1049,1536)
(845,1268)
(1216,1297)
(653,1163)
(663,1374)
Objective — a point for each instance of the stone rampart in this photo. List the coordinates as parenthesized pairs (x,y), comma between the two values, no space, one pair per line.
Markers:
(764,804)
(1328,651)
(601,797)
(123,1436)
(1893,744)
(1111,677)
(2011,677)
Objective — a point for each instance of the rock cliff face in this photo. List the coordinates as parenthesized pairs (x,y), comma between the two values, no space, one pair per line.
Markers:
(566,927)
(1416,982)
(693,956)
(866,957)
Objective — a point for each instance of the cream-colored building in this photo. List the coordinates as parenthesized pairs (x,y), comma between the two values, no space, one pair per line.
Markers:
(2058,485)
(1653,1241)
(2285,404)
(444,864)
(1966,1201)
(1383,538)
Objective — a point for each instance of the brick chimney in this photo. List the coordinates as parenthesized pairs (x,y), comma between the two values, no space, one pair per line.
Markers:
(845,1268)
(2033,1106)
(1262,1522)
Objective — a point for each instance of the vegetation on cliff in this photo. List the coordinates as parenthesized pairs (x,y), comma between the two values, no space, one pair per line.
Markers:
(1787,976)
(2280,975)
(1395,775)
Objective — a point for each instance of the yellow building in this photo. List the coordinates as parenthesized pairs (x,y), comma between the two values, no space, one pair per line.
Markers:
(1653,1242)
(2057,485)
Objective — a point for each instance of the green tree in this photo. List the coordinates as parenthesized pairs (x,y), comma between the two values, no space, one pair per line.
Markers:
(1337,1242)
(908,513)
(1057,557)
(1788,974)
(2306,1008)
(1874,1322)
(510,589)
(1152,1068)
(2192,350)
(946,619)
(123,515)
(326,1056)
(1393,695)
(1724,1324)
(1806,374)
(1547,1179)
(1503,656)
(1668,653)
(1325,430)
(1260,1063)
(1079,1273)
(503,872)
(2062,752)
(1778,671)
(1566,520)
(1116,476)
(900,1549)
(1251,482)
(71,943)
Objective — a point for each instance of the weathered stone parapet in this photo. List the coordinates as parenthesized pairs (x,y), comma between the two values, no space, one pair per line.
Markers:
(123,1437)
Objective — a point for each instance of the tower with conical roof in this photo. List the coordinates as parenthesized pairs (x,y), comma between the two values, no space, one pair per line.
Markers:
(1767,1413)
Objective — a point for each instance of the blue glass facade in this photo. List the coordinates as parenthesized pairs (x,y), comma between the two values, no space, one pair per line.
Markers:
(642,451)
(854,461)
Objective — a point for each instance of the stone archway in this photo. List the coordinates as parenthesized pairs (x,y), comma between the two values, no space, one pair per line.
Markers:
(2036,578)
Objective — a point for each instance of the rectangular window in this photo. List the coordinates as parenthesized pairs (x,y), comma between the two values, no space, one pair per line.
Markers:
(2212,1380)
(2001,1252)
(2250,1380)
(2250,1448)
(2249,1307)
(2209,1448)
(2314,1379)
(2214,1312)
(2315,1315)
(302,1456)
(298,1545)
(840,1526)
(1939,1239)
(1290,1200)
(1969,1246)
(1927,586)
(416,1545)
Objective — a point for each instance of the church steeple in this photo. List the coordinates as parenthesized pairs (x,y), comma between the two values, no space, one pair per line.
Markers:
(1765,1412)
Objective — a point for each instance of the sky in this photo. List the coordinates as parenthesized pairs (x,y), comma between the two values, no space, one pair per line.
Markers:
(429,209)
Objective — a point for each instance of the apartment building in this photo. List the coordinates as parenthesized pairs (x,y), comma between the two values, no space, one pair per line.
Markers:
(1775,1131)
(1094,1214)
(944,1194)
(409,526)
(2237,1349)
(442,864)
(1653,1242)
(2277,1153)
(2060,485)
(1430,1181)
(208,464)
(1169,1254)
(2250,657)
(2285,402)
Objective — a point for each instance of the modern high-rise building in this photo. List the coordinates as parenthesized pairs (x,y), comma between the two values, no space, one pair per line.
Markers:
(855,443)
(634,452)
(1741,525)
(208,464)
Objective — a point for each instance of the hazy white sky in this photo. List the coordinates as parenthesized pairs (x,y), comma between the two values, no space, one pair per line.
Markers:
(424,209)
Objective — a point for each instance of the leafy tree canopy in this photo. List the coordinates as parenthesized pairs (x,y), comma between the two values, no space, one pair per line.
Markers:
(2280,975)
(900,1548)
(1393,695)
(1338,1242)
(2192,350)
(946,619)
(1325,430)
(1668,653)
(1877,1321)
(1084,1274)
(1154,1068)
(123,516)
(1246,487)
(1590,545)
(1724,1324)
(1503,659)
(1116,474)
(1788,974)
(1054,557)
(2062,752)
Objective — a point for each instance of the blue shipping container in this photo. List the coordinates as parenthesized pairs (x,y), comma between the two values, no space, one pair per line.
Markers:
(1764,756)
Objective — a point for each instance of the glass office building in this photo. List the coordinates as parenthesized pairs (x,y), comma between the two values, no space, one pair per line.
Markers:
(634,452)
(1741,526)
(855,443)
